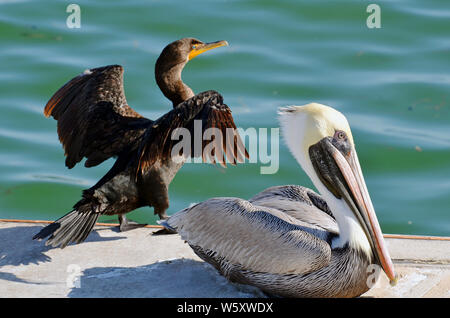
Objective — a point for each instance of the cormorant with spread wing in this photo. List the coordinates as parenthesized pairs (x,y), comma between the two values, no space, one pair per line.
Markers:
(95,122)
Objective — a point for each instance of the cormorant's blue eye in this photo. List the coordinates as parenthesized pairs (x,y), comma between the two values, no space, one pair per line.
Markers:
(194,46)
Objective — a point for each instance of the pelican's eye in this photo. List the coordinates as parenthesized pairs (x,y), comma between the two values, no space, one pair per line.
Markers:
(340,141)
(340,135)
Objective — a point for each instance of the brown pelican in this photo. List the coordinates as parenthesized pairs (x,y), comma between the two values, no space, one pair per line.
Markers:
(95,122)
(288,240)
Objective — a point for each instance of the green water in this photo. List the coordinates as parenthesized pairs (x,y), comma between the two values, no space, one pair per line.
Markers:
(391,83)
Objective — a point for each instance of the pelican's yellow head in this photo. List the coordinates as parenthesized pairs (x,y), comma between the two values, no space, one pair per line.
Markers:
(304,126)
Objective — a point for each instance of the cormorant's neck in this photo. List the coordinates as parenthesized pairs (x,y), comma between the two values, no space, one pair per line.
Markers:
(168,78)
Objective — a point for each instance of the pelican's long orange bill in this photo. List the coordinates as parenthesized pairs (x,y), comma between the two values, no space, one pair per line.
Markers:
(351,171)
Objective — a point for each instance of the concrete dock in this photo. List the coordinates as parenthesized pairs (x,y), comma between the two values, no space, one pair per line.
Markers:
(139,264)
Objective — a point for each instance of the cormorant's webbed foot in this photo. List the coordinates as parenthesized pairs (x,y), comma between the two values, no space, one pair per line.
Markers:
(126,225)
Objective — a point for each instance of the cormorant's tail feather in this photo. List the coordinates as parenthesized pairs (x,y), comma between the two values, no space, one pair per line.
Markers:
(75,226)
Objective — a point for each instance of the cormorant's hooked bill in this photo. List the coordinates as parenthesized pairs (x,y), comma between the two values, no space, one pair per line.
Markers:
(203,47)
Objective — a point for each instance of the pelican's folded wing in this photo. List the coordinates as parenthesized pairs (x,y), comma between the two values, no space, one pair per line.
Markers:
(301,203)
(257,238)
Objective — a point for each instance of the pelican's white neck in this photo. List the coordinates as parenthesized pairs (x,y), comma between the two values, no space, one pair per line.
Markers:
(350,231)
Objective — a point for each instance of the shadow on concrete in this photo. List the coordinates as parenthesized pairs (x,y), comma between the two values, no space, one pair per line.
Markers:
(18,248)
(175,278)
(13,278)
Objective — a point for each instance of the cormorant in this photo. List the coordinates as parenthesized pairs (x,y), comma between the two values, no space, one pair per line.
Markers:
(94,121)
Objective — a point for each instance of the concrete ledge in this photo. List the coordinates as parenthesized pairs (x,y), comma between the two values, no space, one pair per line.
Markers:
(138,264)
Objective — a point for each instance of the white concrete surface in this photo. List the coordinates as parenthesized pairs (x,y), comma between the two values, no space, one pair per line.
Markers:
(138,264)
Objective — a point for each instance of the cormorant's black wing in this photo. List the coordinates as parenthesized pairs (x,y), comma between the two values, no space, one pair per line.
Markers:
(208,108)
(94,119)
